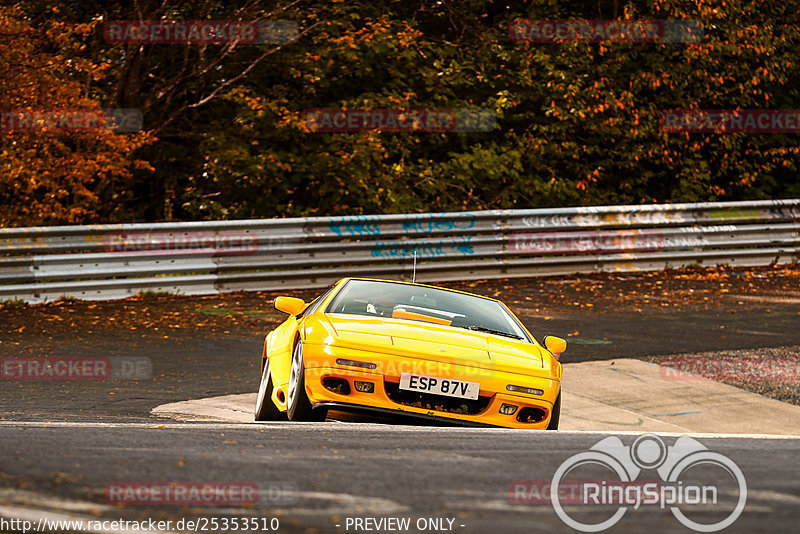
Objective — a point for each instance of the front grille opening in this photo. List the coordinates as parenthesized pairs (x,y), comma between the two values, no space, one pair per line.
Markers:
(437,403)
(531,415)
(336,384)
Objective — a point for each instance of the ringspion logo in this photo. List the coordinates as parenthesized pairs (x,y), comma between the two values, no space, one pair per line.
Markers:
(679,466)
(538,491)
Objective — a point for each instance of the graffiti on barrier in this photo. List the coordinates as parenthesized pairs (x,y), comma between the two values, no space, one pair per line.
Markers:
(438,223)
(356,225)
(426,249)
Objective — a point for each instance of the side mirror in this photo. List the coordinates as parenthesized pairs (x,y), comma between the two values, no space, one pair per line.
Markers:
(555,345)
(289,305)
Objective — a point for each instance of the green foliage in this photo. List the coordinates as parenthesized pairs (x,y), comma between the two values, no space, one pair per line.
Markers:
(13,303)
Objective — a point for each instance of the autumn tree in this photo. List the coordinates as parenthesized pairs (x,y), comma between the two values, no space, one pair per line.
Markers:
(578,123)
(55,175)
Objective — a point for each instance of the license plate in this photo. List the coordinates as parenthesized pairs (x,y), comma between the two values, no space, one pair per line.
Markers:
(440,386)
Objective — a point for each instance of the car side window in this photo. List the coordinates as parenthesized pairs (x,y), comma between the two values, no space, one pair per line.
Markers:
(314,306)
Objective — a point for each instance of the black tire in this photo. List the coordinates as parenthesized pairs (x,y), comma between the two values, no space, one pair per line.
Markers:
(298,406)
(265,408)
(556,414)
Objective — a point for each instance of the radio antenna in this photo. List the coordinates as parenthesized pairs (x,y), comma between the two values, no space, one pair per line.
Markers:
(414,272)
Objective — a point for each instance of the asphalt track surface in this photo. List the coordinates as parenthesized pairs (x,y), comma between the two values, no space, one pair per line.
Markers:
(191,365)
(68,440)
(332,471)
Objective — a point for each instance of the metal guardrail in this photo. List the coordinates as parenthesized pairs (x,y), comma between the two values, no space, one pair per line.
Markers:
(116,261)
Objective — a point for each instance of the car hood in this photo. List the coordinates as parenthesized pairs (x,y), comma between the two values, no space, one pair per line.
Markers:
(433,342)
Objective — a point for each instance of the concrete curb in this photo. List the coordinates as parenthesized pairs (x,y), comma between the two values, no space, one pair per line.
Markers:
(619,395)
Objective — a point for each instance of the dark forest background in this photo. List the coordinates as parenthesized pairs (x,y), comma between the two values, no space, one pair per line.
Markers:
(224,138)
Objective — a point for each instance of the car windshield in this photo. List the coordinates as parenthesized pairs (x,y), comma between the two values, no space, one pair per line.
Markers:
(417,303)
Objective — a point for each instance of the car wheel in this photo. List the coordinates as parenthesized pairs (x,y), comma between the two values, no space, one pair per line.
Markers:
(265,408)
(556,414)
(298,407)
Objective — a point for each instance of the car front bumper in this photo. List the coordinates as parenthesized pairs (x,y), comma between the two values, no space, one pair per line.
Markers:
(323,369)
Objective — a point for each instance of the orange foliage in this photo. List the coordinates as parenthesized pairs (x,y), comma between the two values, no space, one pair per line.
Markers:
(54,176)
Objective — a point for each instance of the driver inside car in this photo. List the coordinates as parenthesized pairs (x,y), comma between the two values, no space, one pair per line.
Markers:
(382,306)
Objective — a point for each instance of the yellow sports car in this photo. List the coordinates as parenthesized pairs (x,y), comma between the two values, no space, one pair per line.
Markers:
(413,349)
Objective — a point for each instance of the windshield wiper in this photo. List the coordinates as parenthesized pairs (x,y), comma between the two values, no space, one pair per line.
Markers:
(492,331)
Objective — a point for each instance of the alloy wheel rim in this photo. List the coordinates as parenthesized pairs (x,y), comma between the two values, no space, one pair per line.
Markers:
(294,375)
(262,388)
